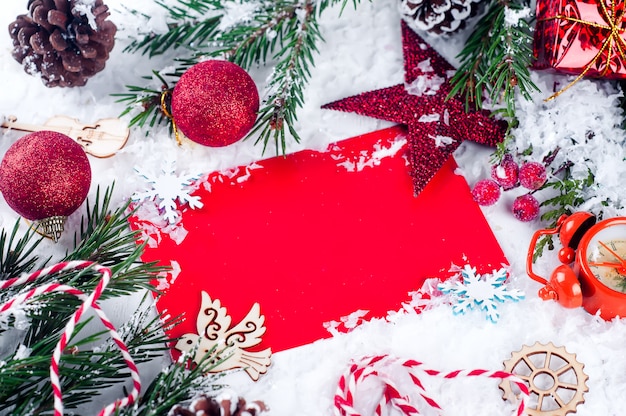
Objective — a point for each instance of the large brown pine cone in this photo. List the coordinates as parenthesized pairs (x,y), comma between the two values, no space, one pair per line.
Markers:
(438,16)
(220,406)
(66,41)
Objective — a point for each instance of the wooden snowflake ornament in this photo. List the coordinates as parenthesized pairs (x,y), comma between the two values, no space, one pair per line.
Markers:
(483,292)
(169,188)
(229,344)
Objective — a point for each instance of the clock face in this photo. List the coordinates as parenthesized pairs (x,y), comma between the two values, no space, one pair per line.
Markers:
(605,255)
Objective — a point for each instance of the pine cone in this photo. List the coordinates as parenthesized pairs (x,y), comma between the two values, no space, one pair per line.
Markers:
(66,41)
(438,16)
(220,406)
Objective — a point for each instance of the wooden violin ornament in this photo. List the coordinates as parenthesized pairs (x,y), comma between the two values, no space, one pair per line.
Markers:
(100,139)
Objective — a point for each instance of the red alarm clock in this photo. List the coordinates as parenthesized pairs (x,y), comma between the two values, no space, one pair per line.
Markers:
(593,273)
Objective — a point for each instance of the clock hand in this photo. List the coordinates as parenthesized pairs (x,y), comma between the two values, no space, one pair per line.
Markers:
(621,260)
(605,264)
(622,266)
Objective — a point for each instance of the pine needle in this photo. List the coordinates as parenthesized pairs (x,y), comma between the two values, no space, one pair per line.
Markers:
(283,34)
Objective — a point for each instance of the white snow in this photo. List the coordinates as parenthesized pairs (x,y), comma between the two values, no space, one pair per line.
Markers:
(236,12)
(84,8)
(363,52)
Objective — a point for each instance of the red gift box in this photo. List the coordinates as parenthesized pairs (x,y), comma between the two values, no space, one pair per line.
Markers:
(581,37)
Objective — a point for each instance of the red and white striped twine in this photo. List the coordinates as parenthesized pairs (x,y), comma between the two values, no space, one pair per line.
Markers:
(391,396)
(88,302)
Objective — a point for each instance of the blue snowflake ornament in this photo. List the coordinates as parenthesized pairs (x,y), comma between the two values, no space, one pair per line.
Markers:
(167,188)
(483,292)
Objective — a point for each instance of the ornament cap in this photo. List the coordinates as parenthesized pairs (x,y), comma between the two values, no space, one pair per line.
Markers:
(51,227)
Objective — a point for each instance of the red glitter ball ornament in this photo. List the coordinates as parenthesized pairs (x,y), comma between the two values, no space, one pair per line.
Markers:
(215,103)
(45,175)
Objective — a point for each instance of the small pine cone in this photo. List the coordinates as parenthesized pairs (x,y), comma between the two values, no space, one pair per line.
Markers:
(223,405)
(65,41)
(438,17)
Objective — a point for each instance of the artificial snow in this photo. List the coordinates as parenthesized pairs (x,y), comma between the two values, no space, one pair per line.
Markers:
(84,8)
(427,84)
(363,52)
(237,12)
(22,352)
(366,158)
(442,141)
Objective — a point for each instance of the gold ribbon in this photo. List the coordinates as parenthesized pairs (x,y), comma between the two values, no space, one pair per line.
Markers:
(613,39)
(167,113)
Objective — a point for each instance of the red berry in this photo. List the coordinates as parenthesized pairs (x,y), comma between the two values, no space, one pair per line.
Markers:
(486,192)
(505,173)
(532,175)
(526,208)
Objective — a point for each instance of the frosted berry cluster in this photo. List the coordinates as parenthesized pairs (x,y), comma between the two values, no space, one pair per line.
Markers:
(508,175)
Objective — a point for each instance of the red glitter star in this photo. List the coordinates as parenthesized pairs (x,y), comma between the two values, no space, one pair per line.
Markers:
(436,126)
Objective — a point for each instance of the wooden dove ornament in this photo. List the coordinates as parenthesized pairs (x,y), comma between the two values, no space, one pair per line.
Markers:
(214,331)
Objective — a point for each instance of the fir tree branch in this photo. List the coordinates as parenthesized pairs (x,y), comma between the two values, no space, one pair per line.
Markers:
(86,368)
(186,31)
(85,357)
(146,100)
(17,255)
(91,363)
(495,59)
(569,196)
(301,33)
(285,32)
(173,385)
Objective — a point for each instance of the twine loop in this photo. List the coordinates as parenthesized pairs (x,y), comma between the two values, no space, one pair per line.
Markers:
(89,302)
(169,115)
(391,396)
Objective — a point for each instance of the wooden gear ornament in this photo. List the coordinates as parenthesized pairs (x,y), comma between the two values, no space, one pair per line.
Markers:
(226,345)
(593,269)
(556,380)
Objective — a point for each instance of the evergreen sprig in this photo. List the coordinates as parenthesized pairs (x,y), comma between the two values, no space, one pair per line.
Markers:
(495,59)
(144,103)
(299,34)
(194,23)
(283,33)
(91,363)
(569,195)
(173,385)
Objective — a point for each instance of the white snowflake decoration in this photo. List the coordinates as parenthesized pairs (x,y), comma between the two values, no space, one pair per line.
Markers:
(167,188)
(482,292)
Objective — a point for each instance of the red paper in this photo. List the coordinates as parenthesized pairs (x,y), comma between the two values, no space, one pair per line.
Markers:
(315,236)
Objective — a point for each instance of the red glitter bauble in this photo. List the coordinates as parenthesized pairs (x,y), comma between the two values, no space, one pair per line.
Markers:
(45,174)
(215,103)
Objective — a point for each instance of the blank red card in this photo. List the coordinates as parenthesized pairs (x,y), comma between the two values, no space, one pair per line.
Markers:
(315,236)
